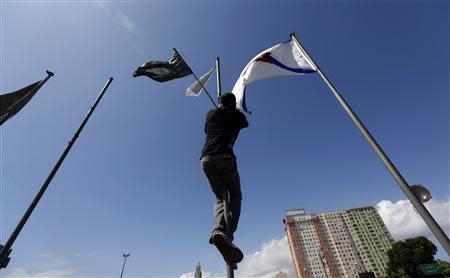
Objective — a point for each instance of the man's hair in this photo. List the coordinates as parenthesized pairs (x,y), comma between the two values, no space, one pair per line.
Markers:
(228,100)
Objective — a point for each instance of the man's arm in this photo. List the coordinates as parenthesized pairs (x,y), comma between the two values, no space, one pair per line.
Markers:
(242,120)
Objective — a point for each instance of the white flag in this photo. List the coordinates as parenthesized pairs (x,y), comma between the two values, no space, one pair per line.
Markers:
(283,59)
(196,88)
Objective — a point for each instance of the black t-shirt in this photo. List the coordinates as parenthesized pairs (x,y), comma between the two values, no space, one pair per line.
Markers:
(222,128)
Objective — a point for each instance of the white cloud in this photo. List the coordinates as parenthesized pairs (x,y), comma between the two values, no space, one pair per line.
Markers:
(87,254)
(403,222)
(54,273)
(48,265)
(265,263)
(123,23)
(127,23)
(204,275)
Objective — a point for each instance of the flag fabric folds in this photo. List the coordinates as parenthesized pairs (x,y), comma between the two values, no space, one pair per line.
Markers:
(196,88)
(163,71)
(283,59)
(12,103)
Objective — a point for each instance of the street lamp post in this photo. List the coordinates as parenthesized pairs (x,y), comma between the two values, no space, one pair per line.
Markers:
(125,256)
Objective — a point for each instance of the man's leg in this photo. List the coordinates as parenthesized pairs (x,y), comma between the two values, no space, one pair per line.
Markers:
(233,184)
(235,208)
(219,215)
(211,171)
(230,178)
(214,169)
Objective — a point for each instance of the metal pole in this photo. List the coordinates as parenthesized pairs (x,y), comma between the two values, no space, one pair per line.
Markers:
(124,261)
(32,91)
(225,195)
(6,249)
(230,267)
(417,204)
(219,82)
(196,78)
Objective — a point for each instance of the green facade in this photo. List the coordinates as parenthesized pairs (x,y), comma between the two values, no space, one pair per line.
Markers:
(371,236)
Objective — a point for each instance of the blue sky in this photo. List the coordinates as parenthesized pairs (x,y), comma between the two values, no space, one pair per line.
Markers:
(133,183)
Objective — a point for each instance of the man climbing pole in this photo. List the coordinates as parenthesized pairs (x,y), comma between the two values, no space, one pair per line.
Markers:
(218,161)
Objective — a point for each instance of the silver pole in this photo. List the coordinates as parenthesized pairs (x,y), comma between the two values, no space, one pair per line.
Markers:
(423,212)
(230,268)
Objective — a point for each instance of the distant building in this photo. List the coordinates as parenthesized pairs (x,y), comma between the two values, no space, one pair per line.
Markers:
(337,244)
(198,271)
(281,274)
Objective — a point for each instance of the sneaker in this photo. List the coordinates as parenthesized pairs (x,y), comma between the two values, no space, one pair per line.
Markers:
(230,252)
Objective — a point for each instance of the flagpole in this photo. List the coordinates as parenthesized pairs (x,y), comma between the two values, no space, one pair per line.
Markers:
(423,212)
(219,81)
(35,88)
(196,78)
(225,194)
(6,250)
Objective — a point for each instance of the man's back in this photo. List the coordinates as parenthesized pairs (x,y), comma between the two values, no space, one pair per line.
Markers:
(222,127)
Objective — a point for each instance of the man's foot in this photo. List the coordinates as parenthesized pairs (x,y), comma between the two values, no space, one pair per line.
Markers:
(230,252)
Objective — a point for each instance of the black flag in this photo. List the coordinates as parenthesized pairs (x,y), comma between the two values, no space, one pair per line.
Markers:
(162,71)
(11,103)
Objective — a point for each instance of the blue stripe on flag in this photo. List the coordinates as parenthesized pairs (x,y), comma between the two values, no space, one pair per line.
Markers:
(297,70)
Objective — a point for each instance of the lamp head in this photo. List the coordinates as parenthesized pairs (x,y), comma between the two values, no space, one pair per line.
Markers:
(421,192)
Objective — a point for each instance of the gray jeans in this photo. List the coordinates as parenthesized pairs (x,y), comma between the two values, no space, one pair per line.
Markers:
(222,171)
